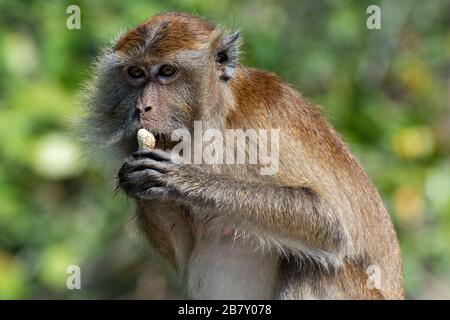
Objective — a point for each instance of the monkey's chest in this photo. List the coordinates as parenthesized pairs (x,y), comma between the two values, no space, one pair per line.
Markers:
(222,267)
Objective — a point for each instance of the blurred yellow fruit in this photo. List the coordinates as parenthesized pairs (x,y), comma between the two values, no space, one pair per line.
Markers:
(413,142)
(409,205)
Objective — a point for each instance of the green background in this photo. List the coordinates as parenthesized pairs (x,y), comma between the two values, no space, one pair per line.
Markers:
(386,91)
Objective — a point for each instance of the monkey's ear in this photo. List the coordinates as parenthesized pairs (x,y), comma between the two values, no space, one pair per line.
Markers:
(226,55)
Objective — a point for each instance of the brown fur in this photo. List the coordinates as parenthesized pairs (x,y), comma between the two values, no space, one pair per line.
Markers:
(310,231)
(263,100)
(174,32)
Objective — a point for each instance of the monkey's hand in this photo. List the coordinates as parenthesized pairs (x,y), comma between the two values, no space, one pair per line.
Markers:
(148,175)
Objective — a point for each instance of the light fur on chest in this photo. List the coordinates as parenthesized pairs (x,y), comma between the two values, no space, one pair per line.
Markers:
(224,267)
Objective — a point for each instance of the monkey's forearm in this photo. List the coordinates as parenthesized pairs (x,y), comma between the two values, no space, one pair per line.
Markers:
(294,216)
(289,213)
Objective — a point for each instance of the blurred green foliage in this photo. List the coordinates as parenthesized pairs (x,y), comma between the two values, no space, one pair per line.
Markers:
(386,91)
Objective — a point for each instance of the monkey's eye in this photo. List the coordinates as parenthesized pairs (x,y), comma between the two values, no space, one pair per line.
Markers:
(136,72)
(167,70)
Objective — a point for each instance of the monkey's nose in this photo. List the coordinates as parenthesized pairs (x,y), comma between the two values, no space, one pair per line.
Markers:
(141,111)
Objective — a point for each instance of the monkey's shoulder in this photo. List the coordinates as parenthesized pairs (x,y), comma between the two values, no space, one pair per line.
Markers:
(265,98)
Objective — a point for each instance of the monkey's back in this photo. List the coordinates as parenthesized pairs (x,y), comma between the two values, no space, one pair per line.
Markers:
(312,154)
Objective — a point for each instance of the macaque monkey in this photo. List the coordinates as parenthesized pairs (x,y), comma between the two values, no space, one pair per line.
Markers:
(316,229)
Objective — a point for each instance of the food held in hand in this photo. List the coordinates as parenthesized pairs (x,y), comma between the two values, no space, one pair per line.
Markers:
(146,140)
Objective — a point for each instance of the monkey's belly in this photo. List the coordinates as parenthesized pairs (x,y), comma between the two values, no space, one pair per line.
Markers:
(223,268)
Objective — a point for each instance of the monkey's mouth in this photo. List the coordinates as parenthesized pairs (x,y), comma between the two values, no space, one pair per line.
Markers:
(161,140)
(158,139)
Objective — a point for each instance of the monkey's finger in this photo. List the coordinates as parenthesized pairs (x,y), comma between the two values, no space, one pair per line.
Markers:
(143,164)
(136,183)
(136,180)
(145,176)
(124,170)
(156,154)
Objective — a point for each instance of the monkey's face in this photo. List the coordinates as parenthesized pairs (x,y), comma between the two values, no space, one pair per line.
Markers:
(156,76)
(145,91)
